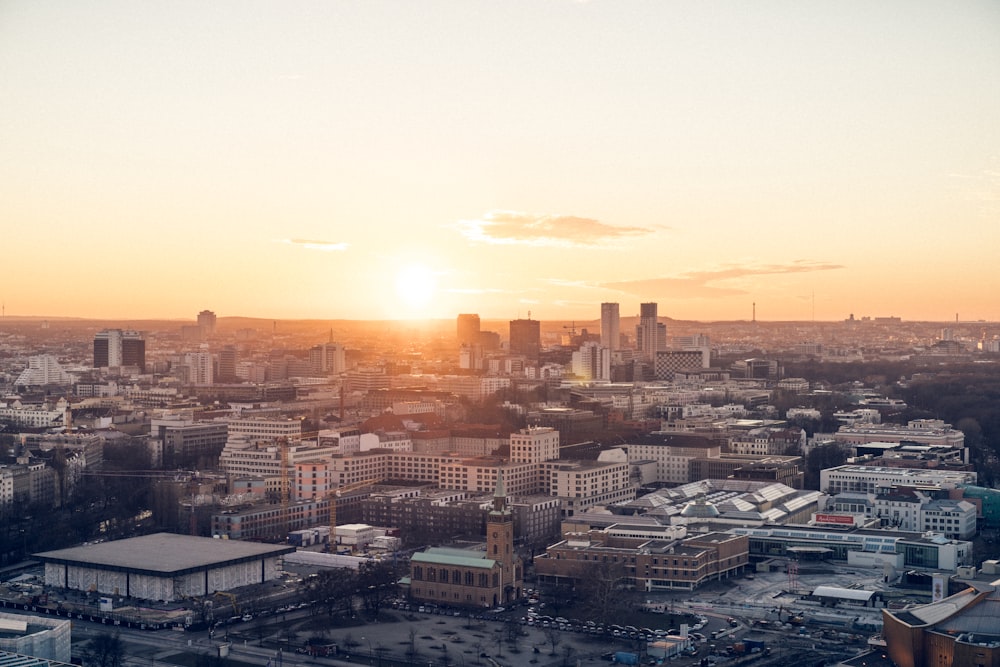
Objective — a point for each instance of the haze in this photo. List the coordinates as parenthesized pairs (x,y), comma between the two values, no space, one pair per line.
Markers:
(368,160)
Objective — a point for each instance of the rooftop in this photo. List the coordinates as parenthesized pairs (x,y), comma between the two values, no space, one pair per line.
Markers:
(163,553)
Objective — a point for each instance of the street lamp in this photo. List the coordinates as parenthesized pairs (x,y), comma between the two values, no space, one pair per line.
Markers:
(371,651)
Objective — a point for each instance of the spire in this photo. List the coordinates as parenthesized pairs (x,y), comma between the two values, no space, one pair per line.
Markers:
(500,497)
(501,492)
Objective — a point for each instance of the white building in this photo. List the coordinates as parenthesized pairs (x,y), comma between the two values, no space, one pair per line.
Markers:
(581,485)
(534,445)
(592,362)
(42,369)
(921,431)
(869,479)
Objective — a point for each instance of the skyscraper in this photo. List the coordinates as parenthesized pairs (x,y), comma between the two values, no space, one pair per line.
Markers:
(610,326)
(206,322)
(114,348)
(468,329)
(526,338)
(650,334)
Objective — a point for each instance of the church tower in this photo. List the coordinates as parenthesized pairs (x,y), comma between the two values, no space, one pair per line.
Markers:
(500,544)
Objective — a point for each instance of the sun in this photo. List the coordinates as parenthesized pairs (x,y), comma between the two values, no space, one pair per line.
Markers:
(415,286)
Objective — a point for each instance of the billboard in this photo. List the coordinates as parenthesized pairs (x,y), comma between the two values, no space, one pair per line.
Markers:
(843,519)
(939,587)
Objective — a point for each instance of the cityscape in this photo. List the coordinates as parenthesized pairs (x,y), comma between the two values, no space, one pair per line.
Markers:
(624,488)
(533,333)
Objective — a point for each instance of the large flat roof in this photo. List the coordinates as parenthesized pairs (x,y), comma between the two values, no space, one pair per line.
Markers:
(163,554)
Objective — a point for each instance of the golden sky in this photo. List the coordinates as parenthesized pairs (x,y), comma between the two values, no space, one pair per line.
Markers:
(375,159)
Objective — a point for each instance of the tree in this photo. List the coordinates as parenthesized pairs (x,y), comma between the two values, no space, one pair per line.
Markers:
(105,650)
(377,585)
(604,591)
(552,636)
(332,589)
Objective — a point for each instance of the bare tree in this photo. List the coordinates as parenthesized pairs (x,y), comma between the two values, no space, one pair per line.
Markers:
(552,636)
(105,650)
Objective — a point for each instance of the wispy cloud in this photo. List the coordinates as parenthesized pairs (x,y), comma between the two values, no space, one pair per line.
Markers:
(312,244)
(514,227)
(712,284)
(981,187)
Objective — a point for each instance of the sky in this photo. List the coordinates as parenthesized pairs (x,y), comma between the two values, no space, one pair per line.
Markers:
(375,159)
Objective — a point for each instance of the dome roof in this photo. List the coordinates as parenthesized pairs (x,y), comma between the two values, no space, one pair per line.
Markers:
(700,509)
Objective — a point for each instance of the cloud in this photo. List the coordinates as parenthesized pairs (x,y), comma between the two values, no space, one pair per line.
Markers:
(705,284)
(513,227)
(325,246)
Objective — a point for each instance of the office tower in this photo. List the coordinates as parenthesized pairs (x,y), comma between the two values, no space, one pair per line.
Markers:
(114,348)
(327,359)
(468,329)
(650,334)
(206,322)
(592,362)
(228,358)
(610,326)
(526,338)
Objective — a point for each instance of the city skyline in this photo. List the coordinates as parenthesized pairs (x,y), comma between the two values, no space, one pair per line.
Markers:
(390,161)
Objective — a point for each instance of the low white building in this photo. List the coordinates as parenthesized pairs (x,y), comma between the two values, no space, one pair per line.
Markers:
(36,636)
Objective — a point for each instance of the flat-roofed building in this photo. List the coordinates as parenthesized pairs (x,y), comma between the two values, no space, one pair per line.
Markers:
(648,564)
(869,479)
(673,454)
(162,566)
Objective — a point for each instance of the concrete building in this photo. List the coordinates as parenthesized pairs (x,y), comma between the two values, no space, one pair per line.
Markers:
(41,637)
(162,566)
(610,326)
(534,445)
(42,369)
(581,485)
(526,338)
(666,363)
(114,348)
(650,333)
(866,479)
(467,329)
(592,362)
(646,563)
(920,431)
(673,454)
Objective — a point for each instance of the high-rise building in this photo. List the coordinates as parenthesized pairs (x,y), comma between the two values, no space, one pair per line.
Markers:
(610,326)
(206,322)
(114,348)
(228,358)
(592,362)
(200,369)
(650,334)
(526,338)
(327,359)
(468,329)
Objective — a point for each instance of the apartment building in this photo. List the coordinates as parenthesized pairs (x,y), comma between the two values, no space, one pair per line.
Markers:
(672,453)
(581,485)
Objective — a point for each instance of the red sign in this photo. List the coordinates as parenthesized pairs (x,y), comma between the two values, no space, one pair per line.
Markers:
(835,518)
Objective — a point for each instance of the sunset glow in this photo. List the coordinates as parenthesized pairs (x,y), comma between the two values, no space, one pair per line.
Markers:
(817,159)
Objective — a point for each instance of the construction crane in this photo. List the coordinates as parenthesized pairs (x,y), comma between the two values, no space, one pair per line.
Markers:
(336,493)
(232,600)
